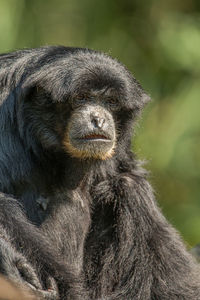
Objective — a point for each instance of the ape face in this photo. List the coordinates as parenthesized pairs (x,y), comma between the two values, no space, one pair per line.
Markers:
(82,126)
(82,106)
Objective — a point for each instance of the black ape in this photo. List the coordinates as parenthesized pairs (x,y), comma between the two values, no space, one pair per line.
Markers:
(77,215)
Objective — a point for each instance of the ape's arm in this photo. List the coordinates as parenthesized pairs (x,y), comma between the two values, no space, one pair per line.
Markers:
(146,259)
(67,226)
(162,267)
(13,264)
(22,244)
(15,267)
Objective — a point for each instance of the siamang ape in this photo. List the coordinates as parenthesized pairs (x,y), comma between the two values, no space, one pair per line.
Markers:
(78,219)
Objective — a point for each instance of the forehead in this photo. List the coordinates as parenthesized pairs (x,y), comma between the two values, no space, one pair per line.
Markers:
(97,79)
(87,72)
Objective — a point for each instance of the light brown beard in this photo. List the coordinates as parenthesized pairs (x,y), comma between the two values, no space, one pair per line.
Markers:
(84,154)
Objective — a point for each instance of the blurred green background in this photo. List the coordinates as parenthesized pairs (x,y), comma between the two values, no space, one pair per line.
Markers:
(159,41)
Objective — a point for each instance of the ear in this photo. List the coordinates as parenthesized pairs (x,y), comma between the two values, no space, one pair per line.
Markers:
(140,97)
(145,98)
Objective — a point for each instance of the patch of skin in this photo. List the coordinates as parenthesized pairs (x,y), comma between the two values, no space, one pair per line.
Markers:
(43,202)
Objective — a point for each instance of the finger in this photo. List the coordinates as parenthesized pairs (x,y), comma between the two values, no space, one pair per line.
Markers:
(28,273)
(47,295)
(51,284)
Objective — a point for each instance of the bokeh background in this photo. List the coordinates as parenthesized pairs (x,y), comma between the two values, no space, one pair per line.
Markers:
(159,41)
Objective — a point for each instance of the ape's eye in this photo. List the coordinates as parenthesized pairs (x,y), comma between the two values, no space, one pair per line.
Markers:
(79,100)
(113,103)
(80,97)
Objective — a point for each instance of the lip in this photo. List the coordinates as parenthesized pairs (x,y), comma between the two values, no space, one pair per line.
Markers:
(95,137)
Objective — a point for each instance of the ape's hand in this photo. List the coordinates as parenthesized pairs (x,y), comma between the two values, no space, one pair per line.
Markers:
(14,266)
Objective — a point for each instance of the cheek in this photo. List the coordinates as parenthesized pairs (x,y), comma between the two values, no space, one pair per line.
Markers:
(61,130)
(61,121)
(50,131)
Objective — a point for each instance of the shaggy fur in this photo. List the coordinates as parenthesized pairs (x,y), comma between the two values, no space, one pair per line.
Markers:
(80,228)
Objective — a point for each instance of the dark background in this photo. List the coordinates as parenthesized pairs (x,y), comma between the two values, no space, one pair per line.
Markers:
(159,41)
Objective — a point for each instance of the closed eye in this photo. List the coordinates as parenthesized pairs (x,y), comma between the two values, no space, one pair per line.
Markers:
(78,101)
(112,103)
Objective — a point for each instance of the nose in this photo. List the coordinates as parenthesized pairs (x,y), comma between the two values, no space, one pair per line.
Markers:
(97,121)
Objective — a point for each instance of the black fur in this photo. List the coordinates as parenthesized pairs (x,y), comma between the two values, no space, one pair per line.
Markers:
(102,235)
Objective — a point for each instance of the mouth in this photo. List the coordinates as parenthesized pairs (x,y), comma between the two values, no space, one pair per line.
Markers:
(92,145)
(96,137)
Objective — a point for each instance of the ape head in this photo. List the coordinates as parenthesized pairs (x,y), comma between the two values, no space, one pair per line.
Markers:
(78,101)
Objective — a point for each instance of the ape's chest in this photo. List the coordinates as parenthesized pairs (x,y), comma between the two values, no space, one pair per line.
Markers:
(35,206)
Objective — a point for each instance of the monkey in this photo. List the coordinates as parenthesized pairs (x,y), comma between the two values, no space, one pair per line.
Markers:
(76,208)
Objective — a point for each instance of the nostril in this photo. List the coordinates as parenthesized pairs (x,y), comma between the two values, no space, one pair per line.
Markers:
(98,122)
(101,122)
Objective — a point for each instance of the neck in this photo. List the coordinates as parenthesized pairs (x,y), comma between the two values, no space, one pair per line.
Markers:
(62,171)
